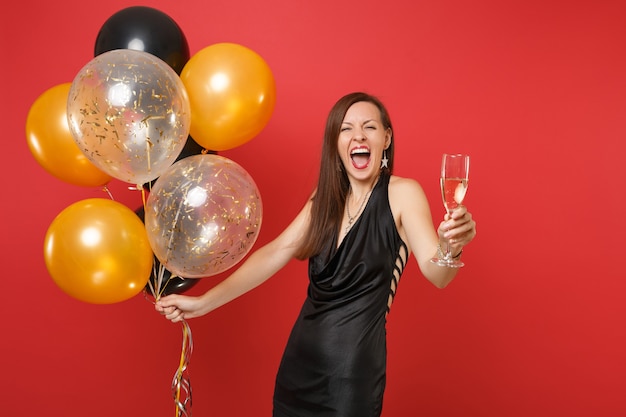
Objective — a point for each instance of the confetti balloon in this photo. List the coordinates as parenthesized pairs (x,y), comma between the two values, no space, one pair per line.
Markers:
(128,111)
(203,216)
(161,281)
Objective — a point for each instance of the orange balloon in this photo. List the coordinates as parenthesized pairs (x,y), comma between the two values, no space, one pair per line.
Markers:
(52,144)
(97,251)
(231,94)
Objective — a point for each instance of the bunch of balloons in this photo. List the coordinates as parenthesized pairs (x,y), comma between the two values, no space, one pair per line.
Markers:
(146,112)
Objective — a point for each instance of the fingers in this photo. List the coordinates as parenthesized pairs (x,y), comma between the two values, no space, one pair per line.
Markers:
(167,300)
(164,304)
(458,213)
(460,228)
(167,307)
(173,313)
(458,217)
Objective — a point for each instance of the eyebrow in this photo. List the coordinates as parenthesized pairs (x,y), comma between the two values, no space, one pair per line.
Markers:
(365,122)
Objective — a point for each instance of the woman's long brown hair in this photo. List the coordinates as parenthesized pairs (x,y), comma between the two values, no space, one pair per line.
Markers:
(332,186)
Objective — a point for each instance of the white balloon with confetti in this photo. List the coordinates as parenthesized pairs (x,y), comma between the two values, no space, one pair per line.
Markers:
(203,215)
(129,113)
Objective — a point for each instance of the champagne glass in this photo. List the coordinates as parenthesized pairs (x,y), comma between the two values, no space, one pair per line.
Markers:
(454,177)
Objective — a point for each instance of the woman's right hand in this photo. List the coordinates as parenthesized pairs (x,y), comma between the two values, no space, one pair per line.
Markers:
(176,307)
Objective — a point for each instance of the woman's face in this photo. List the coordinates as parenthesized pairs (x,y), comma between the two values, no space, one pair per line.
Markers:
(362,139)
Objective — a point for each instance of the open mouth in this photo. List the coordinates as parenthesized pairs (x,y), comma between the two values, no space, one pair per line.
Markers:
(360,157)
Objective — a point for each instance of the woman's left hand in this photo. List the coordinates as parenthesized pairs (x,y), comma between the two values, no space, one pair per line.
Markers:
(458,228)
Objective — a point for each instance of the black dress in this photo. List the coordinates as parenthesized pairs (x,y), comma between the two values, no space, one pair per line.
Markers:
(334,363)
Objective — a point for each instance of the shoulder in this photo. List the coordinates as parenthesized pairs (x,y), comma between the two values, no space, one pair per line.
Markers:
(406,195)
(399,186)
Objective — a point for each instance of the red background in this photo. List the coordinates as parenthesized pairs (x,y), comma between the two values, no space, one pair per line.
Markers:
(534,90)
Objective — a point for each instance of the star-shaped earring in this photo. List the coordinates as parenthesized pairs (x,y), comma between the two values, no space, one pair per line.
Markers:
(385,161)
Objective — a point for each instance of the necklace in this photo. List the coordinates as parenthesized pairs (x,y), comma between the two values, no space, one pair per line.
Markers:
(351,218)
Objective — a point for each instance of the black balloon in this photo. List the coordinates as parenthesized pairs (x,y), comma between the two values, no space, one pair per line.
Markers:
(145,29)
(169,284)
(192,148)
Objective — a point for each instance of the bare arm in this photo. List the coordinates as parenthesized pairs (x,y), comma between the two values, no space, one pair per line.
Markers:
(257,268)
(412,212)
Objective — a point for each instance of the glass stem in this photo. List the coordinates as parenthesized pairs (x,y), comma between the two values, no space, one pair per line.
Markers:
(448,252)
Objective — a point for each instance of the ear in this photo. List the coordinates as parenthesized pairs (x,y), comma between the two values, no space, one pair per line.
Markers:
(388,137)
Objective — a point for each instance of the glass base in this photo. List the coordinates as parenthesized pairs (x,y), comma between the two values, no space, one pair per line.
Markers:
(450,263)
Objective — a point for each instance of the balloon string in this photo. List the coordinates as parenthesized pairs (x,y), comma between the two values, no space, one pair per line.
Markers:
(143,199)
(160,287)
(158,284)
(106,190)
(181,384)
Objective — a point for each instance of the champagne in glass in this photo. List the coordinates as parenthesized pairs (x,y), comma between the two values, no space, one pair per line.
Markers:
(454,177)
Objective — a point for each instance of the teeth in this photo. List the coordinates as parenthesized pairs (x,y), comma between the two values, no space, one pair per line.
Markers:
(359,151)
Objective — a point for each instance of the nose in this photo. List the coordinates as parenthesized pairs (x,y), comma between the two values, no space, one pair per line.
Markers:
(359,134)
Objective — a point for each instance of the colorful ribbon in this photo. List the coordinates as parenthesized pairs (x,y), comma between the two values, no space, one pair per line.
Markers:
(181,385)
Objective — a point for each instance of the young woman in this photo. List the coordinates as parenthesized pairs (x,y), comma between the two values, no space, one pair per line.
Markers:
(357,232)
